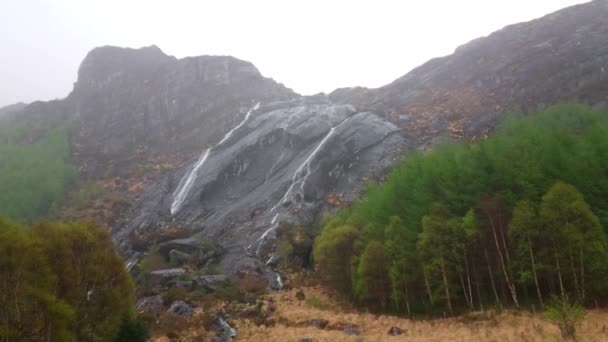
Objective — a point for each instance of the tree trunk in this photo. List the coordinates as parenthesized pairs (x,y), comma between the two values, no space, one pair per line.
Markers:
(582,272)
(491,273)
(428,285)
(540,297)
(464,290)
(504,241)
(466,265)
(477,287)
(574,276)
(505,272)
(407,303)
(445,285)
(559,272)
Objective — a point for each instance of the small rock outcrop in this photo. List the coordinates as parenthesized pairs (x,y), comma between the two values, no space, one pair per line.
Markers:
(150,304)
(161,277)
(210,282)
(181,308)
(395,331)
(226,333)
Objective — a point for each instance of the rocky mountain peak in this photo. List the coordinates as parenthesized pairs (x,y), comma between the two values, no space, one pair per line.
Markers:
(105,63)
(143,103)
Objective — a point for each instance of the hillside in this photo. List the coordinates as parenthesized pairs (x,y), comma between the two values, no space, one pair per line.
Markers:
(561,57)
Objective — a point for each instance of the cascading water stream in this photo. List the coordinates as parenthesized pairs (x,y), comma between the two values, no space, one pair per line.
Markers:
(296,179)
(133,260)
(185,184)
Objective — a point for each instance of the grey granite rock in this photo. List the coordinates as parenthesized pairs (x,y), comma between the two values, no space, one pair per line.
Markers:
(281,163)
(181,308)
(161,277)
(153,304)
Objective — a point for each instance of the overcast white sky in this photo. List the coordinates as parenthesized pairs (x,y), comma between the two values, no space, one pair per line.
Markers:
(310,46)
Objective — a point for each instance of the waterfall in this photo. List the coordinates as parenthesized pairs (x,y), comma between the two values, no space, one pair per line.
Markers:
(132,262)
(185,184)
(227,331)
(279,281)
(296,179)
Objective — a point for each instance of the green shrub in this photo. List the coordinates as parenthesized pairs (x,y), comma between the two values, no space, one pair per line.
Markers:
(132,330)
(566,315)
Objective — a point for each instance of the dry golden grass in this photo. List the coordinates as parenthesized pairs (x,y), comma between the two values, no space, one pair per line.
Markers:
(293,317)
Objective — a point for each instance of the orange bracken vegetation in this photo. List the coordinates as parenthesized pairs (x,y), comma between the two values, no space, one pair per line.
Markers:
(293,322)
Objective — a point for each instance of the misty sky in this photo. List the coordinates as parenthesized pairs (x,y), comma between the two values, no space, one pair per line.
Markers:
(310,46)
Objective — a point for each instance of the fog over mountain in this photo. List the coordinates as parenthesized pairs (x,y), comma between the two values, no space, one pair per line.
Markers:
(310,46)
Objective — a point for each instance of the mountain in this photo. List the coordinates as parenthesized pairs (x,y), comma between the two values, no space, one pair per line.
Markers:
(211,146)
(207,148)
(561,57)
(6,111)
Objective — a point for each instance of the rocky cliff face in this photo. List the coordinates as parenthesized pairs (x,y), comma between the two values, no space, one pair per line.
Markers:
(558,58)
(285,162)
(142,102)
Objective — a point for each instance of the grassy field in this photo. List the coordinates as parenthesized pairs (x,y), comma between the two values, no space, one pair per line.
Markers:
(293,319)
(298,319)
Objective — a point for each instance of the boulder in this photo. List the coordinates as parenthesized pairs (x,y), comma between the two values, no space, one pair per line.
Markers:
(226,332)
(150,304)
(181,308)
(179,256)
(188,245)
(347,328)
(394,331)
(210,282)
(319,323)
(351,329)
(161,277)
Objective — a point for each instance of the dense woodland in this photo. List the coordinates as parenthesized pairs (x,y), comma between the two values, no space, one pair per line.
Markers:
(64,282)
(508,221)
(35,170)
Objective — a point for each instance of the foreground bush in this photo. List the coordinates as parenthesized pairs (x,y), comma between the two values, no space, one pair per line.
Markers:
(565,315)
(61,282)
